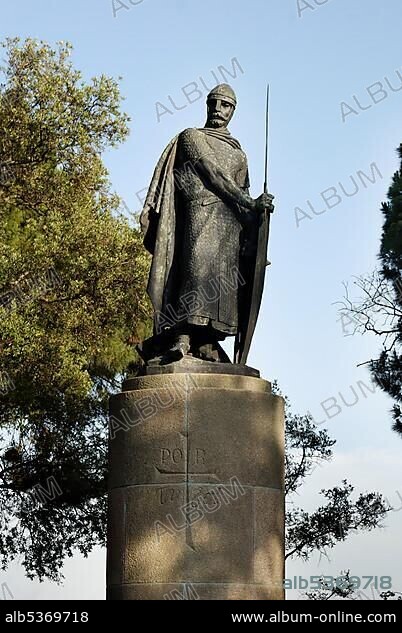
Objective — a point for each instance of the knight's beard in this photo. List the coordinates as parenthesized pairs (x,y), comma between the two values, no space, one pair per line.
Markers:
(215,122)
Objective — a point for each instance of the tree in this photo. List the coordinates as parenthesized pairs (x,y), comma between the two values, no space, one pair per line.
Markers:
(306,447)
(378,307)
(72,302)
(387,370)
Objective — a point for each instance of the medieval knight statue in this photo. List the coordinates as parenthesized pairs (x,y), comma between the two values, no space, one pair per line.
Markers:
(208,239)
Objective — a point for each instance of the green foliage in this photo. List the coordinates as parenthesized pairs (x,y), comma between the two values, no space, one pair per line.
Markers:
(391,242)
(387,370)
(332,522)
(378,309)
(306,448)
(72,300)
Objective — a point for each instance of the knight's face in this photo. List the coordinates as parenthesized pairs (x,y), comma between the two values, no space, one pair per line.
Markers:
(220,113)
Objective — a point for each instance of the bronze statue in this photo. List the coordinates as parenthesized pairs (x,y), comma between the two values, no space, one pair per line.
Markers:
(208,238)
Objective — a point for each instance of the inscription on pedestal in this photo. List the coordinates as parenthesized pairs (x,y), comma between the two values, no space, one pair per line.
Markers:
(170,495)
(170,457)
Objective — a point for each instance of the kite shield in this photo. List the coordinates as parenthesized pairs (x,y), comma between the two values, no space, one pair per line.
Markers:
(254,288)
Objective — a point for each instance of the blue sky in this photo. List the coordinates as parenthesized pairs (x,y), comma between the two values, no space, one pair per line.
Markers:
(314,62)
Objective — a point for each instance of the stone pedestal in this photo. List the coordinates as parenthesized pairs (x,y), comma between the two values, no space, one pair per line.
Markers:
(196,503)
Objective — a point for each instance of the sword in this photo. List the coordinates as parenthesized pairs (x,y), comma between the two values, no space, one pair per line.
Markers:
(251,307)
(268,263)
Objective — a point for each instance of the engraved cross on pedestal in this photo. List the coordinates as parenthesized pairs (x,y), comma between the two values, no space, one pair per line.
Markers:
(177,456)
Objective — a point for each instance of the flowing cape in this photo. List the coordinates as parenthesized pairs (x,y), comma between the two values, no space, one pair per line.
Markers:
(158,217)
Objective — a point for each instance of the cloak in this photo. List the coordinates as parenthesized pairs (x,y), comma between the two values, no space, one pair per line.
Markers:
(158,218)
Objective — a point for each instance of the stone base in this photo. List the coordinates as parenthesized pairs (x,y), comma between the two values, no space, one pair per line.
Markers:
(196,504)
(191,365)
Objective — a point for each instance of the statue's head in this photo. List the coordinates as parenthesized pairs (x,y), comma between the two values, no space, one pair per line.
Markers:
(221,104)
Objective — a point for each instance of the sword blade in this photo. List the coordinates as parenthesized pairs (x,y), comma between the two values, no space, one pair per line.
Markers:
(266,142)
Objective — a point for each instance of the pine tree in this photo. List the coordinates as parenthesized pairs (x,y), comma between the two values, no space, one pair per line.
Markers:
(378,307)
(387,370)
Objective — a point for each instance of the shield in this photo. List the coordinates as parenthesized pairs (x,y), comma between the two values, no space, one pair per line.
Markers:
(254,288)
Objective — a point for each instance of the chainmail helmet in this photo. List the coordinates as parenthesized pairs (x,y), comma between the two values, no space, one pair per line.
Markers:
(225,92)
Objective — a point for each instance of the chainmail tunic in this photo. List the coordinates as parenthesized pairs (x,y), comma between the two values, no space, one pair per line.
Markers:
(209,242)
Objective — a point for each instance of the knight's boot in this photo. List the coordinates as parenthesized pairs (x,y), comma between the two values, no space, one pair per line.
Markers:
(180,348)
(208,352)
